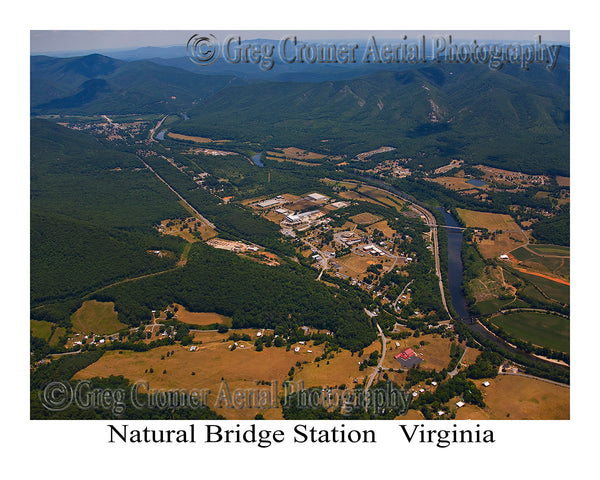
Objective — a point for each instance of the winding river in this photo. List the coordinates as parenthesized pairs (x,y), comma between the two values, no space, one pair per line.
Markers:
(455,275)
(455,267)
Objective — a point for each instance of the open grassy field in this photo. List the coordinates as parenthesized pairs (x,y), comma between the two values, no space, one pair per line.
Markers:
(435,353)
(242,368)
(297,154)
(544,249)
(502,243)
(193,223)
(355,265)
(47,331)
(492,305)
(201,318)
(490,284)
(563,181)
(41,329)
(365,218)
(519,398)
(342,369)
(297,162)
(491,221)
(96,317)
(534,259)
(58,332)
(382,197)
(539,328)
(554,289)
(353,195)
(382,227)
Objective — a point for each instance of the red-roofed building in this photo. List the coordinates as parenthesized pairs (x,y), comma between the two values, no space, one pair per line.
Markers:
(408,358)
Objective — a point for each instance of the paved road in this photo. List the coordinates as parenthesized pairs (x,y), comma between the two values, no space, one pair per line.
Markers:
(455,371)
(383,351)
(402,293)
(323,260)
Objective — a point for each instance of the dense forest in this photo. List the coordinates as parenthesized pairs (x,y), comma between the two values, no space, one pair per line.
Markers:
(90,221)
(253,294)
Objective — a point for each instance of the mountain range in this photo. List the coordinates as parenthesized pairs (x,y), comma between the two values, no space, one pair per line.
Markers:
(511,118)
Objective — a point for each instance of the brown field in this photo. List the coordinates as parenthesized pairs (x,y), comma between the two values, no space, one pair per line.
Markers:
(178,136)
(511,237)
(411,415)
(346,226)
(352,195)
(365,218)
(241,369)
(205,231)
(302,204)
(274,217)
(471,356)
(374,194)
(342,369)
(520,398)
(382,227)
(298,154)
(356,265)
(564,197)
(267,258)
(503,243)
(200,318)
(563,181)
(491,221)
(96,317)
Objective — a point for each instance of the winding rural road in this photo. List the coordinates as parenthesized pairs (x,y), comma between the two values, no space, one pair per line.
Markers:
(402,293)
(381,359)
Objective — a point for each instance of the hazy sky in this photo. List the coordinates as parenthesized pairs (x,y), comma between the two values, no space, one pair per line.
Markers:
(43,41)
